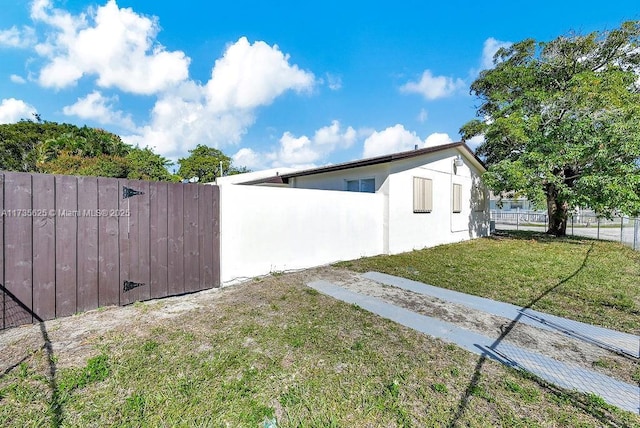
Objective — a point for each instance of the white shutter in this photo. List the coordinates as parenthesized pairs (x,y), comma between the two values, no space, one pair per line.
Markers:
(422,195)
(457,198)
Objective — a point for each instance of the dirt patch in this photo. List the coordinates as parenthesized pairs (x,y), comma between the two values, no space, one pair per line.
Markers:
(77,338)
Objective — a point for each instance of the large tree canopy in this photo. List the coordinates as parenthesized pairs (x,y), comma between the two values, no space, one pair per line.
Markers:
(561,122)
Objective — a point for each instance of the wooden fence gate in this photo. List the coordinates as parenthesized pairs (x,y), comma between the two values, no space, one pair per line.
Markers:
(70,244)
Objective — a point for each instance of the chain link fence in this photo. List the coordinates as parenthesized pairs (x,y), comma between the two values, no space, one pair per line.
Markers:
(587,224)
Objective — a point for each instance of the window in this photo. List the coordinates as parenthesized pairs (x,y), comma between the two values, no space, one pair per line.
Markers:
(517,205)
(366,185)
(457,198)
(422,195)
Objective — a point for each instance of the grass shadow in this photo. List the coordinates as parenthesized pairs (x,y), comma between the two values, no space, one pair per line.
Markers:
(541,237)
(576,399)
(55,405)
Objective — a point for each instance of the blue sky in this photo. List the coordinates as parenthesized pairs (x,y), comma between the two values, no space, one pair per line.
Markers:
(271,84)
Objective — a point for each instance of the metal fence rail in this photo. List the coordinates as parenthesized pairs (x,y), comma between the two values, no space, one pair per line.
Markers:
(621,228)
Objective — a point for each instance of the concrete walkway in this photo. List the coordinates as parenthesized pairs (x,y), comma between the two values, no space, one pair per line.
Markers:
(618,393)
(615,341)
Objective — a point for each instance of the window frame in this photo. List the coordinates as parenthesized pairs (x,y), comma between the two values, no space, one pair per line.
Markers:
(360,181)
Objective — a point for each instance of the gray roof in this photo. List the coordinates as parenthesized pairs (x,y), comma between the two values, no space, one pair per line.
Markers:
(284,178)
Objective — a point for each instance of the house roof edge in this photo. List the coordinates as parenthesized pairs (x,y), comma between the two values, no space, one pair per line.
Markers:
(283,178)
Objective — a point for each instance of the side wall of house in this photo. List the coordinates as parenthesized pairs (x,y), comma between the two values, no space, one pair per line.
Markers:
(265,229)
(404,230)
(337,180)
(409,230)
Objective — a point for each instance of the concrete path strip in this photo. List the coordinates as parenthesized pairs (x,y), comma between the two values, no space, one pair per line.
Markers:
(564,375)
(616,341)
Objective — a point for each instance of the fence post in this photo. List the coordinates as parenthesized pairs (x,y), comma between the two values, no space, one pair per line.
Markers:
(636,225)
(621,229)
(517,218)
(572,224)
(598,233)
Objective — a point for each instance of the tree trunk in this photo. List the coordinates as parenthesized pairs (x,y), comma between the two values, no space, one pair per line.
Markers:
(557,211)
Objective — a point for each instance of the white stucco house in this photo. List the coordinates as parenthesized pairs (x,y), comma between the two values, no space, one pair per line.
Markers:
(430,196)
(281,220)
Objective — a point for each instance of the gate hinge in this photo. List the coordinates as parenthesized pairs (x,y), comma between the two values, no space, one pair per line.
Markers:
(130,285)
(128,192)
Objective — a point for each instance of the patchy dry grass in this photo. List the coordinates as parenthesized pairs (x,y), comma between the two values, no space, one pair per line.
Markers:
(274,349)
(592,281)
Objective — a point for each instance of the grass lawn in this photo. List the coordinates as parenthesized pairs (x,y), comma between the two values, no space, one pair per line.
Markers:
(597,282)
(275,349)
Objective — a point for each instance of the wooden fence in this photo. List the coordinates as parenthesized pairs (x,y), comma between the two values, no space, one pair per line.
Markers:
(71,244)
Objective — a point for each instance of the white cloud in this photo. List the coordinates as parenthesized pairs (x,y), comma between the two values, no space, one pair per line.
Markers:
(101,109)
(12,110)
(178,124)
(437,139)
(334,82)
(433,87)
(302,151)
(252,75)
(17,79)
(391,140)
(295,151)
(397,139)
(422,116)
(220,112)
(115,44)
(475,142)
(17,38)
(118,48)
(491,46)
(330,137)
(248,158)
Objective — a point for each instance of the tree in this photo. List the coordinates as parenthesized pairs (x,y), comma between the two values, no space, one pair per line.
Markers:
(62,148)
(101,166)
(144,164)
(19,143)
(27,145)
(204,163)
(84,142)
(560,122)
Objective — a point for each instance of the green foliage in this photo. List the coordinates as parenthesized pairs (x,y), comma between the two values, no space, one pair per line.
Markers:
(61,148)
(20,142)
(83,142)
(204,163)
(144,164)
(560,122)
(101,165)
